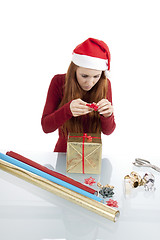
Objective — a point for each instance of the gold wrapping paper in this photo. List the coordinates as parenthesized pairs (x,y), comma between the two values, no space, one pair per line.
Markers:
(92,153)
(90,204)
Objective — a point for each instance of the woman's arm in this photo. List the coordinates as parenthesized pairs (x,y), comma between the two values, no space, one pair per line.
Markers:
(107,120)
(52,117)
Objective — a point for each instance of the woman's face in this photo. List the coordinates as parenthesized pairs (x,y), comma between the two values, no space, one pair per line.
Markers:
(87,78)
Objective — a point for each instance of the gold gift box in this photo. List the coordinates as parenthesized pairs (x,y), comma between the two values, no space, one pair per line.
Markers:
(84,153)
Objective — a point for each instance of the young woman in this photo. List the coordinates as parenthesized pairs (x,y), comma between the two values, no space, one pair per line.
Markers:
(85,82)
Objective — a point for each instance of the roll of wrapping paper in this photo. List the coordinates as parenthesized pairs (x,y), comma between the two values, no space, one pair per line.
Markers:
(47,176)
(53,173)
(90,204)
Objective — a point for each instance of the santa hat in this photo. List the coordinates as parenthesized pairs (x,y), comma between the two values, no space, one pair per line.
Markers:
(93,54)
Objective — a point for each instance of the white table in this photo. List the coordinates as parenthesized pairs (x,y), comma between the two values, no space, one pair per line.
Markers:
(30,213)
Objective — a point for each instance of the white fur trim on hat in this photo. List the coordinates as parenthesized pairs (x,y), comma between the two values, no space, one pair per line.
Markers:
(90,62)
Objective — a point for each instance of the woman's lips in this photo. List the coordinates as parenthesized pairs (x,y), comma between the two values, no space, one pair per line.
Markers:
(87,87)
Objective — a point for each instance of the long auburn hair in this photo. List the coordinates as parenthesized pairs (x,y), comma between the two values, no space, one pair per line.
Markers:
(72,90)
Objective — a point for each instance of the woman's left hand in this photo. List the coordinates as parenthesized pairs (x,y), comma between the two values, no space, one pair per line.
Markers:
(105,108)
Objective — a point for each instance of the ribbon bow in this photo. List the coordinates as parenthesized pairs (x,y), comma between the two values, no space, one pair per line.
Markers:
(89,138)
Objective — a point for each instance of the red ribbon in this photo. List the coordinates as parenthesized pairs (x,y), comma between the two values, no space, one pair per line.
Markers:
(89,138)
(92,105)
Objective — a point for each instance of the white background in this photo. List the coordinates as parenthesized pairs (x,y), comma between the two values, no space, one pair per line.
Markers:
(37,38)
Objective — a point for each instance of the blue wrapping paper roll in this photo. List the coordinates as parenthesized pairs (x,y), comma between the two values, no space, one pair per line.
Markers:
(47,176)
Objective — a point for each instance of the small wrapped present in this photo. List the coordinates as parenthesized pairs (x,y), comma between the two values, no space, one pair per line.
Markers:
(84,153)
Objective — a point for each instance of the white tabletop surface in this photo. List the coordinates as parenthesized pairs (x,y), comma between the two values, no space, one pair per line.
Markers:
(30,213)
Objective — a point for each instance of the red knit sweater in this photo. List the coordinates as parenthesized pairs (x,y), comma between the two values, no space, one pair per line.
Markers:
(53,118)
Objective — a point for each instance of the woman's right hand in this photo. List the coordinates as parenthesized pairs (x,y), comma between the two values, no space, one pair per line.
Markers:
(78,108)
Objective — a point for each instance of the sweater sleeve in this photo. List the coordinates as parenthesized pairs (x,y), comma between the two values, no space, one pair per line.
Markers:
(108,124)
(52,117)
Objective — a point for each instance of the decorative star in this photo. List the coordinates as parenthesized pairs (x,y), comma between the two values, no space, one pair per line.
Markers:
(112,203)
(89,181)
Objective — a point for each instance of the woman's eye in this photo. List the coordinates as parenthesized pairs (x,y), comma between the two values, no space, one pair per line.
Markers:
(84,76)
(96,76)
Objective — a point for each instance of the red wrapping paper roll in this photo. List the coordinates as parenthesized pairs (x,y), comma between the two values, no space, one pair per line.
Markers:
(53,173)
